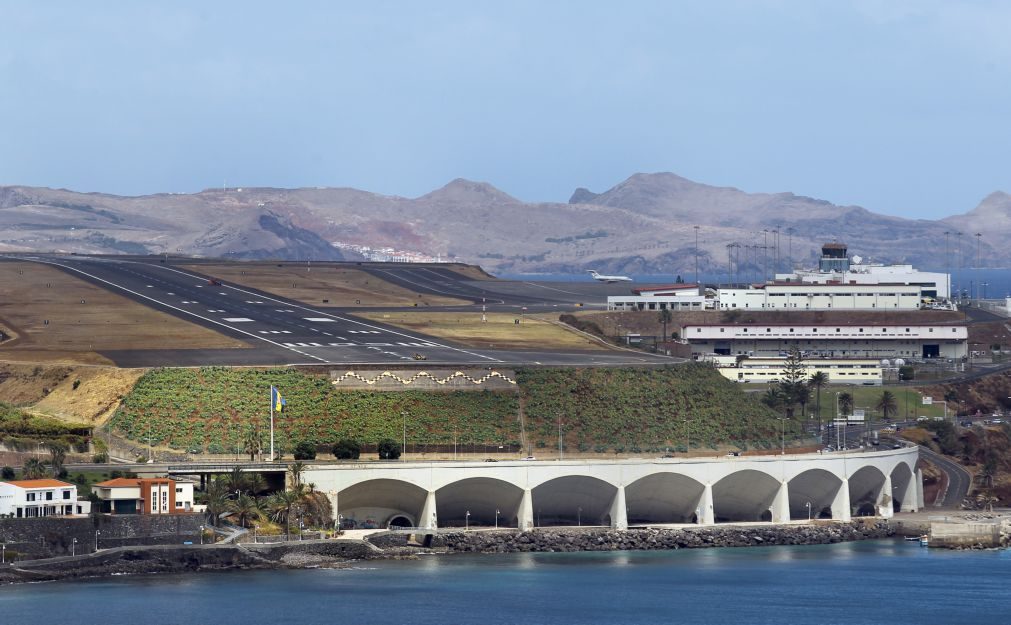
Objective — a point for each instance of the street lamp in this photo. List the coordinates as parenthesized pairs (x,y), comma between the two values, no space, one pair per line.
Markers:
(73,548)
(783,448)
(808,504)
(97,532)
(579,516)
(3,557)
(497,512)
(201,534)
(466,521)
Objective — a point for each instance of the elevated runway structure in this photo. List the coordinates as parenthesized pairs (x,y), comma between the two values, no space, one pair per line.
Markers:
(619,493)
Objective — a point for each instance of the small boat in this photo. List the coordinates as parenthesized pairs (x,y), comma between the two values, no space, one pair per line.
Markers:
(924,541)
(913,538)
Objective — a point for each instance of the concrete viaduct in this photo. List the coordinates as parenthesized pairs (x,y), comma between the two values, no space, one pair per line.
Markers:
(619,493)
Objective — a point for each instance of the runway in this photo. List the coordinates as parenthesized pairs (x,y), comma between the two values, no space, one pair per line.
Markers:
(280,331)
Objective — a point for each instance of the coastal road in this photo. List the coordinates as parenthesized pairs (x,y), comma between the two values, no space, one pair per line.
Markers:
(959,480)
(283,331)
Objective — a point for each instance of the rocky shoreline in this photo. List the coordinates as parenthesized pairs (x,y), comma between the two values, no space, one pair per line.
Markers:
(336,553)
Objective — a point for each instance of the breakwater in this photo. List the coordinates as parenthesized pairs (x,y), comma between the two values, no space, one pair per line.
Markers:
(595,539)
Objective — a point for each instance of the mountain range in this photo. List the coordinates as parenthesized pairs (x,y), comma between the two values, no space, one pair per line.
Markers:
(644,225)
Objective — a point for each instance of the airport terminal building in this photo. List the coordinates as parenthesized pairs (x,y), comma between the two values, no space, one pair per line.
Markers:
(836,340)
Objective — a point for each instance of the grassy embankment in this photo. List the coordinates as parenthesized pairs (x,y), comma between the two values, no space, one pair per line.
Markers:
(601,410)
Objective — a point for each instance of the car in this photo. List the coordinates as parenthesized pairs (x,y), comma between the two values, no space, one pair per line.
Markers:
(997,421)
(921,418)
(896,446)
(490,460)
(530,458)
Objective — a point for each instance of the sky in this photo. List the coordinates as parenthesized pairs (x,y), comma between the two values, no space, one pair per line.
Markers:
(899,106)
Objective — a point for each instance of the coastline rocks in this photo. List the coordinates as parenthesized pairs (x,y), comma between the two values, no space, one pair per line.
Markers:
(596,539)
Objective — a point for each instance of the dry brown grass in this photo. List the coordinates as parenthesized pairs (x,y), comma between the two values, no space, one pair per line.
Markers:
(340,286)
(499,331)
(34,293)
(49,390)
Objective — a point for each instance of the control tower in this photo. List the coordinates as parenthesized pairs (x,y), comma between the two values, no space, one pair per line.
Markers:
(833,258)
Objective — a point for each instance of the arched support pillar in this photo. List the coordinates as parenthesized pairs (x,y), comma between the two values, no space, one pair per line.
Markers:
(884,500)
(919,489)
(910,496)
(526,512)
(781,504)
(619,514)
(841,504)
(429,513)
(704,509)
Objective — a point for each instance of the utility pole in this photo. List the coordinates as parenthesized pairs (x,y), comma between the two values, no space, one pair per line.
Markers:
(979,262)
(696,255)
(789,249)
(560,452)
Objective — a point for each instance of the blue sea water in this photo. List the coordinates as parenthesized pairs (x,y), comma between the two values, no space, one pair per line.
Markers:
(867,583)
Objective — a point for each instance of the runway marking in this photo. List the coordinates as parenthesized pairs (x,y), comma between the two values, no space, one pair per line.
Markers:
(327,333)
(188,302)
(315,344)
(253,302)
(379,344)
(342,344)
(237,319)
(319,312)
(182,310)
(150,286)
(320,319)
(216,310)
(285,331)
(364,332)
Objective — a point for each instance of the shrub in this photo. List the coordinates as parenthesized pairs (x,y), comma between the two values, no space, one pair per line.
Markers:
(388,449)
(305,451)
(100,458)
(77,383)
(345,449)
(7,473)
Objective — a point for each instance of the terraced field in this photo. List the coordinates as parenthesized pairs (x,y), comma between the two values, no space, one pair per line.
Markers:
(599,410)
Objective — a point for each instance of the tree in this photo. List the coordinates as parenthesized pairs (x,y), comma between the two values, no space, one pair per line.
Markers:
(345,449)
(388,449)
(886,404)
(245,508)
(217,499)
(7,473)
(845,404)
(236,481)
(793,384)
(818,380)
(295,471)
(252,442)
(255,483)
(281,504)
(305,450)
(33,469)
(665,317)
(57,456)
(773,398)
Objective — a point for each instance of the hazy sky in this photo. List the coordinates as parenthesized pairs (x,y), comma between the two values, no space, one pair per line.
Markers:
(903,107)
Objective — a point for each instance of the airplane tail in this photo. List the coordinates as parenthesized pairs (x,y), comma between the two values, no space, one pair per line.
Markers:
(593,273)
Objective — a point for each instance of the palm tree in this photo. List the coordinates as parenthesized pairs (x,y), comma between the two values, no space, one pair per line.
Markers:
(33,469)
(845,404)
(280,505)
(886,404)
(665,317)
(773,398)
(818,380)
(57,455)
(245,508)
(295,471)
(236,481)
(217,500)
(255,483)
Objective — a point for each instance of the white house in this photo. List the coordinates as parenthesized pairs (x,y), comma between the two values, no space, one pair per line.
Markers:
(837,370)
(25,499)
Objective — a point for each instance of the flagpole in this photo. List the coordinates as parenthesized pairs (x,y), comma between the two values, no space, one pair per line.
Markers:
(271,423)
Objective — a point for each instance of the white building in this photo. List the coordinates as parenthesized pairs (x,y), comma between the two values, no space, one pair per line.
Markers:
(829,340)
(764,370)
(144,496)
(663,297)
(798,296)
(26,499)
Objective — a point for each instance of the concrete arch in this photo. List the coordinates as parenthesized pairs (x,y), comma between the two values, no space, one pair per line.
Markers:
(819,488)
(377,502)
(903,489)
(746,495)
(664,498)
(481,496)
(866,490)
(572,500)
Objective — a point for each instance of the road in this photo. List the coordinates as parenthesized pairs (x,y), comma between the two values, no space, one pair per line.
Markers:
(283,331)
(959,480)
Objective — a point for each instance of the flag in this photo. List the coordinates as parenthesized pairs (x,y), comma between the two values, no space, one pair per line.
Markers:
(276,401)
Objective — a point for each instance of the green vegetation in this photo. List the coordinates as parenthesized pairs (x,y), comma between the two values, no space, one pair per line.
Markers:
(215,409)
(631,409)
(18,428)
(639,410)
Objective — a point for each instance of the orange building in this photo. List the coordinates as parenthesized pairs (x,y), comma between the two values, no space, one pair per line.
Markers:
(158,495)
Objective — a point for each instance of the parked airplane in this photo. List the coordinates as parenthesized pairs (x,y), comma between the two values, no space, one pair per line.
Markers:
(609,279)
